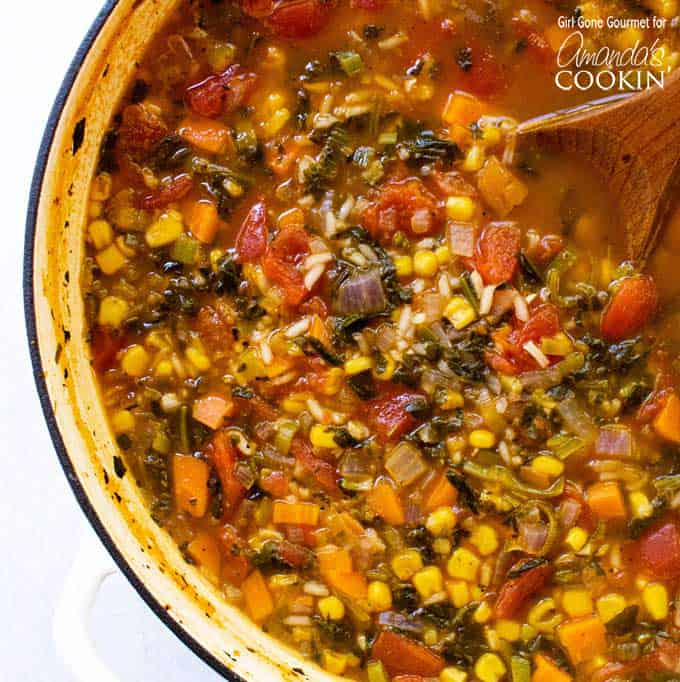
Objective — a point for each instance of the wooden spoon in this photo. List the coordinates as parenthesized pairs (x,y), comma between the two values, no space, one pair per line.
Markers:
(633,142)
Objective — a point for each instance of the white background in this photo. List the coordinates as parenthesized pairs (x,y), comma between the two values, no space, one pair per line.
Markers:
(40,523)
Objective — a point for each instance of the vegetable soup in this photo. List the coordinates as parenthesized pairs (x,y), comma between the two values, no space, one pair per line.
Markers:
(384,374)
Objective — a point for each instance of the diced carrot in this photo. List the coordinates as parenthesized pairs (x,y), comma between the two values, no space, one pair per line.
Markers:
(258,599)
(333,558)
(235,566)
(202,219)
(275,483)
(547,671)
(205,551)
(462,109)
(353,585)
(500,188)
(402,656)
(385,502)
(667,422)
(296,513)
(583,639)
(211,410)
(190,480)
(205,134)
(606,500)
(440,493)
(319,331)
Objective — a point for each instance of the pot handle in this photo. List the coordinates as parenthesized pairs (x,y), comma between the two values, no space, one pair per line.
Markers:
(91,566)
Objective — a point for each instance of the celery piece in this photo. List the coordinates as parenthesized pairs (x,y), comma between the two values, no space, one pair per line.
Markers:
(185,250)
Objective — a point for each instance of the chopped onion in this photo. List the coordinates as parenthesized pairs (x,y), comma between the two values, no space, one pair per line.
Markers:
(391,619)
(385,337)
(245,475)
(405,464)
(614,441)
(431,306)
(462,239)
(503,301)
(532,536)
(421,221)
(576,419)
(361,293)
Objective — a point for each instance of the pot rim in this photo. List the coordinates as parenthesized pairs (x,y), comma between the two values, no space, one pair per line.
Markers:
(86,506)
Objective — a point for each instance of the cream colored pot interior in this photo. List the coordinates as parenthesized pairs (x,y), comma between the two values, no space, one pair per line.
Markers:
(219,632)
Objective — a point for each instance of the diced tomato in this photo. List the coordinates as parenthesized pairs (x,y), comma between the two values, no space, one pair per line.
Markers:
(105,346)
(213,328)
(658,551)
(221,93)
(516,591)
(653,405)
(294,555)
(172,191)
(140,131)
(258,8)
(251,240)
(282,263)
(388,415)
(630,308)
(544,322)
(497,252)
(664,659)
(324,472)
(585,516)
(315,306)
(275,483)
(404,205)
(402,656)
(484,76)
(235,567)
(223,456)
(297,19)
(509,357)
(408,678)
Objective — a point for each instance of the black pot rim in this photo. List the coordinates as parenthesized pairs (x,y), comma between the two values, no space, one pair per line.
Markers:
(34,350)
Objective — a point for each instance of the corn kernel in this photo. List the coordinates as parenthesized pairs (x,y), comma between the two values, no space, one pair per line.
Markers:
(453,400)
(135,361)
(112,311)
(334,662)
(490,668)
(441,521)
(461,209)
(577,603)
(293,405)
(655,599)
(101,233)
(407,563)
(509,630)
(443,255)
(198,359)
(576,538)
(358,365)
(379,596)
(453,675)
(333,381)
(459,312)
(165,230)
(322,437)
(110,260)
(485,539)
(610,605)
(95,209)
(550,466)
(491,135)
(331,608)
(459,593)
(276,122)
(123,421)
(429,581)
(474,159)
(482,613)
(441,546)
(430,636)
(425,264)
(403,266)
(640,505)
(560,345)
(164,369)
(463,564)
(481,438)
(384,369)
